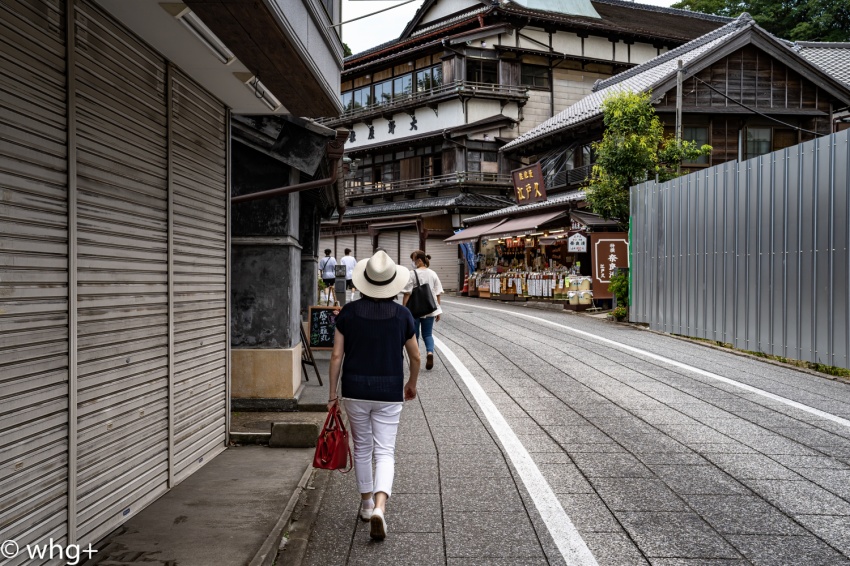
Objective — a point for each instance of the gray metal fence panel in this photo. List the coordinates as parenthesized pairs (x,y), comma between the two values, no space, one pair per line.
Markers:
(756,254)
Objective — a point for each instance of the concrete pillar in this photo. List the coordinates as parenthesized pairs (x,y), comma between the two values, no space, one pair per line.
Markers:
(266,286)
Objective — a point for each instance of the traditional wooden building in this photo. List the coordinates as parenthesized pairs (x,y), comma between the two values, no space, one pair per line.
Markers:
(745,92)
(429,112)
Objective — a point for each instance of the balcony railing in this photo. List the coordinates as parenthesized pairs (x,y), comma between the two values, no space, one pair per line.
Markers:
(445,91)
(356,188)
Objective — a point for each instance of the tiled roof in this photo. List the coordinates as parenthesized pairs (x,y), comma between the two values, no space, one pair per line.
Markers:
(661,10)
(463,200)
(551,202)
(460,17)
(637,79)
(632,19)
(616,15)
(833,58)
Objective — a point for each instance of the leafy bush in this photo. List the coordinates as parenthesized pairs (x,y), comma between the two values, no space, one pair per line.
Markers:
(619,287)
(620,313)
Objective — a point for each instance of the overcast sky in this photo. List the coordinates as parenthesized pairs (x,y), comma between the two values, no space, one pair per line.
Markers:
(374,30)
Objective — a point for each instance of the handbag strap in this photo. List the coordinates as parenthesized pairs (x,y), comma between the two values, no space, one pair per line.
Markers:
(418,284)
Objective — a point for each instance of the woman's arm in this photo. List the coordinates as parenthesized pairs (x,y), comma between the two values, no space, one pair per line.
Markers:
(404,300)
(336,365)
(412,348)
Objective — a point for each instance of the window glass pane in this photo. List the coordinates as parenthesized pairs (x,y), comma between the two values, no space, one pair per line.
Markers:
(346,98)
(489,72)
(534,75)
(384,92)
(480,71)
(437,75)
(423,80)
(758,141)
(699,135)
(490,156)
(402,85)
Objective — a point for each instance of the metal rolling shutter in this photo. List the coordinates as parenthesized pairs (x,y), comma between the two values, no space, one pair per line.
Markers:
(409,244)
(34,287)
(444,262)
(199,167)
(343,242)
(123,274)
(363,246)
(325,243)
(389,241)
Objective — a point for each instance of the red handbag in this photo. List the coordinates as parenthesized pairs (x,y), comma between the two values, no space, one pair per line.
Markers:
(332,450)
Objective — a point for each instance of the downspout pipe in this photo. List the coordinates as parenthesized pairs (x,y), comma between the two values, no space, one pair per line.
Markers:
(334,150)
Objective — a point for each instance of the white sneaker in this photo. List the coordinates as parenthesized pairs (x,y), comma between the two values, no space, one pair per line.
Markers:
(378,526)
(366,511)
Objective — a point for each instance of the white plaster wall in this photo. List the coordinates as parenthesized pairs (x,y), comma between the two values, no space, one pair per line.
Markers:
(446,8)
(621,52)
(643,52)
(566,42)
(597,47)
(450,114)
(478,109)
(538,35)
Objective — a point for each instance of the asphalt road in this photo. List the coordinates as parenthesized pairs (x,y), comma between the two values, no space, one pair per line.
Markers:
(547,438)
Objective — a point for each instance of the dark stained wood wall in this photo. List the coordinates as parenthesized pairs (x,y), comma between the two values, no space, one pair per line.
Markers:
(758,80)
(755,79)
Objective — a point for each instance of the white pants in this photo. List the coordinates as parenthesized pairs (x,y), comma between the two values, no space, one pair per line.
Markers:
(374,427)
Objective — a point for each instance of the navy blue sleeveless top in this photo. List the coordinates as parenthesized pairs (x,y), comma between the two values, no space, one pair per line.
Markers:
(375,333)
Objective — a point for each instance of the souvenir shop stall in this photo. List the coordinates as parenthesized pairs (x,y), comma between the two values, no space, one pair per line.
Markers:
(560,256)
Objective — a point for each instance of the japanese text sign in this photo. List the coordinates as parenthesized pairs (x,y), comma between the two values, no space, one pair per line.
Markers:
(528,184)
(609,250)
(577,244)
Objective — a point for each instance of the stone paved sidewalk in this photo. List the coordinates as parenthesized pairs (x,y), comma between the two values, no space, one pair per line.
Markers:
(652,463)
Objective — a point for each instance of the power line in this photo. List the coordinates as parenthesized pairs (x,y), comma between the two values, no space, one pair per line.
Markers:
(754,111)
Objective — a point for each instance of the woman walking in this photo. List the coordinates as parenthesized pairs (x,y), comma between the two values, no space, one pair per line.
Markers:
(370,336)
(424,274)
(326,269)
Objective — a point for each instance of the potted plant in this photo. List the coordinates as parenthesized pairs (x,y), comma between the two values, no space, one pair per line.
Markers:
(620,313)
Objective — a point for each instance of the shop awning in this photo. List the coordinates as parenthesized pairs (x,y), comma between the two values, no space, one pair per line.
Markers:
(471,234)
(522,225)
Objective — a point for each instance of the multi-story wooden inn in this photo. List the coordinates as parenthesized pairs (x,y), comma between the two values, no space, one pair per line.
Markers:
(429,111)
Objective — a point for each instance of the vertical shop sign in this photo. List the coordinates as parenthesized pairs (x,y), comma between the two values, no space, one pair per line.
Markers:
(608,250)
(528,184)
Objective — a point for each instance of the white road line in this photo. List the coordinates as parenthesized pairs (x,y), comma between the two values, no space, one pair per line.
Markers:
(698,371)
(566,537)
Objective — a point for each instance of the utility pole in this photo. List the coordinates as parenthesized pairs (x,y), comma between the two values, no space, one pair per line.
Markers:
(679,74)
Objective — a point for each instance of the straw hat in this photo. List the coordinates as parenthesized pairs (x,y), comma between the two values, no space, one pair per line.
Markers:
(379,277)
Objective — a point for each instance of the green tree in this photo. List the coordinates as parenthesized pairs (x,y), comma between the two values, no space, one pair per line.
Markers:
(346,50)
(633,149)
(797,20)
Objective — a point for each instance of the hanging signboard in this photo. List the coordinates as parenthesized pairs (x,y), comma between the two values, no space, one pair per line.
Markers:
(609,250)
(528,184)
(577,244)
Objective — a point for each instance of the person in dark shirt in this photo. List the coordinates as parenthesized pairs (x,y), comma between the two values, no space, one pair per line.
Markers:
(371,335)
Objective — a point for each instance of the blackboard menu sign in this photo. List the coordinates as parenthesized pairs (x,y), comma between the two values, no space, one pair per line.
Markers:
(322,321)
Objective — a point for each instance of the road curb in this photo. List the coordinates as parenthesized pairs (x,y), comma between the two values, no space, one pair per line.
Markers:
(744,354)
(267,553)
(307,512)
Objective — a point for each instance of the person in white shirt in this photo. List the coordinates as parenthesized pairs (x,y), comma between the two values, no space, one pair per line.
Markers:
(425,275)
(349,262)
(326,269)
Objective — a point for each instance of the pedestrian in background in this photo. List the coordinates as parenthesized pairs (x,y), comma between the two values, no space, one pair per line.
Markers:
(349,262)
(424,274)
(369,340)
(326,269)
